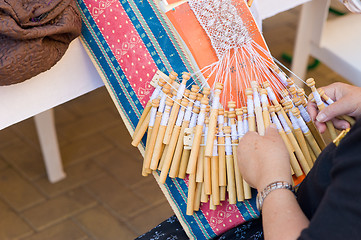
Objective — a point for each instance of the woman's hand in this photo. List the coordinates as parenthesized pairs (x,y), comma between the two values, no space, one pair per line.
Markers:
(263,159)
(347,102)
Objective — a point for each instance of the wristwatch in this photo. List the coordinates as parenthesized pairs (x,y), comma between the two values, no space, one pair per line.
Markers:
(267,190)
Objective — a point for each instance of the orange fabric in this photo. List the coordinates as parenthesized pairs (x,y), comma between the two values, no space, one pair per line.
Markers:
(197,41)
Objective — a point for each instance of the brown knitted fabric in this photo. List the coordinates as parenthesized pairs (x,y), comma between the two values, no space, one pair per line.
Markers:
(34,35)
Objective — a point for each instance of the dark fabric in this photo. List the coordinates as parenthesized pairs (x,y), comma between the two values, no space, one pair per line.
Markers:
(34,35)
(330,196)
(171,229)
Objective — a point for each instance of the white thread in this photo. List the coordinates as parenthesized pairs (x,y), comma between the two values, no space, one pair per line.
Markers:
(303,125)
(240,128)
(284,123)
(293,120)
(304,113)
(180,91)
(329,101)
(200,119)
(193,121)
(162,102)
(245,124)
(180,118)
(250,107)
(188,113)
(271,94)
(234,132)
(205,133)
(256,99)
(317,98)
(165,116)
(277,122)
(283,78)
(220,120)
(153,113)
(215,104)
(228,146)
(215,148)
(155,93)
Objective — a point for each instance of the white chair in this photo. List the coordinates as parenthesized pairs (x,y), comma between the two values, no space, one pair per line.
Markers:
(73,76)
(336,42)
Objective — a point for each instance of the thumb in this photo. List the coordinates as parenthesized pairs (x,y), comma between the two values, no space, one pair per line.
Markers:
(337,108)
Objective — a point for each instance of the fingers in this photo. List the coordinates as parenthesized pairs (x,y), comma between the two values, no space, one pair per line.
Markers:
(340,124)
(321,126)
(338,108)
(312,110)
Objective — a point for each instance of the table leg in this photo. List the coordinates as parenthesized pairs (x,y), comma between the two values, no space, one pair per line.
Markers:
(45,126)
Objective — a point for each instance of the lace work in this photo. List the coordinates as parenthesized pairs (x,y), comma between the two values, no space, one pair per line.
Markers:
(222,23)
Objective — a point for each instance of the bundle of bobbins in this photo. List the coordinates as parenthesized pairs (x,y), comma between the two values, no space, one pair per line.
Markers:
(191,134)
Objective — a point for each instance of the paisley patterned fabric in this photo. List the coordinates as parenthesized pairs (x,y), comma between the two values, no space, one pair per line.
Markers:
(34,35)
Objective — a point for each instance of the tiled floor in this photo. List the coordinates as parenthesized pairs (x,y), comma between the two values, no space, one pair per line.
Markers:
(104,195)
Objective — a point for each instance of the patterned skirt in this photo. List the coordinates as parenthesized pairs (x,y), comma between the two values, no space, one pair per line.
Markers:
(171,229)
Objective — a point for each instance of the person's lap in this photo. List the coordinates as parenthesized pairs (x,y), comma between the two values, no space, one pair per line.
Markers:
(171,229)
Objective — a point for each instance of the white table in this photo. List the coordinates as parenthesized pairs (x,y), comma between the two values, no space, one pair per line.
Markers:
(73,76)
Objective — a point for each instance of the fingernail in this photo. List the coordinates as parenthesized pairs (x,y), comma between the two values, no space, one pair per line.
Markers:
(321,117)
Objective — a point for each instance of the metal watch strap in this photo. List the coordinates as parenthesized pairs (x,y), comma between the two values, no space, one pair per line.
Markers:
(267,190)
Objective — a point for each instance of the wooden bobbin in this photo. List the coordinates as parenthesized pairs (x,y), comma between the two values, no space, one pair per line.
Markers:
(242,188)
(186,153)
(290,82)
(175,108)
(265,112)
(174,169)
(308,135)
(172,144)
(258,110)
(311,126)
(150,141)
(157,153)
(293,160)
(251,116)
(200,164)
(293,91)
(147,108)
(197,139)
(215,174)
(222,153)
(162,157)
(275,102)
(206,91)
(300,137)
(231,180)
(204,196)
(137,137)
(213,119)
(301,93)
(329,100)
(191,194)
(207,166)
(245,119)
(301,158)
(311,83)
(197,199)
